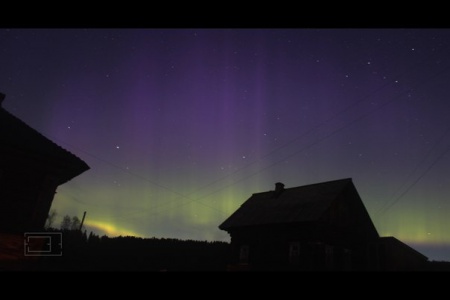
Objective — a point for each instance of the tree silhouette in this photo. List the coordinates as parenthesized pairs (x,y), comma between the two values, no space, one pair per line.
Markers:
(66,223)
(75,223)
(50,219)
(70,223)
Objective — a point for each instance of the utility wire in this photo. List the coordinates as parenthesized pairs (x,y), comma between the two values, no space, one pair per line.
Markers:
(246,166)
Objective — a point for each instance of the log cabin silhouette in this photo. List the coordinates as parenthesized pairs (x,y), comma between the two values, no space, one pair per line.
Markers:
(322,226)
(31,169)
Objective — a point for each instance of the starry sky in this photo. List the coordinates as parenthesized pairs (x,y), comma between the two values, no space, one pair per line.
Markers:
(181,126)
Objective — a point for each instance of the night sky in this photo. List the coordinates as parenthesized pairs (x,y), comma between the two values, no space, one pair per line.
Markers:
(181,126)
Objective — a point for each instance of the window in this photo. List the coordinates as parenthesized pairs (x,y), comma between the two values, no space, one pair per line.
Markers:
(329,257)
(347,259)
(294,252)
(244,254)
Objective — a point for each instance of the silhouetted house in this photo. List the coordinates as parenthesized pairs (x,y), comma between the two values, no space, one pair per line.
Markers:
(31,168)
(322,226)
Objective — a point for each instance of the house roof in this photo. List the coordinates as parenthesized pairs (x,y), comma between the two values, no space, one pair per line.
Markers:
(17,136)
(292,205)
(397,243)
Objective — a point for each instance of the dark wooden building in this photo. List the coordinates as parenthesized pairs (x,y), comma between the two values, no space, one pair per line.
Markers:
(323,226)
(395,255)
(31,168)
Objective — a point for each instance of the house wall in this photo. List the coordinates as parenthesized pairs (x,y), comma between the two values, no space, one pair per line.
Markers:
(395,256)
(296,247)
(26,194)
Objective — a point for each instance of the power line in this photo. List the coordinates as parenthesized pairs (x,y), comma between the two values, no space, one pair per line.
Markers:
(316,127)
(267,167)
(390,203)
(130,173)
(246,166)
(336,131)
(317,141)
(396,200)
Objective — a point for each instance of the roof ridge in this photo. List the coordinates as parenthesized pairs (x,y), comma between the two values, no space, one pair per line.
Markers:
(323,182)
(40,134)
(297,204)
(308,185)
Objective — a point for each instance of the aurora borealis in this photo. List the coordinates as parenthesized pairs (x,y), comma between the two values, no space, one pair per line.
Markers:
(181,126)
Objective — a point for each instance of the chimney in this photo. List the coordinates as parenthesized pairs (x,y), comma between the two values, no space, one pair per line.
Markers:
(279,188)
(2,97)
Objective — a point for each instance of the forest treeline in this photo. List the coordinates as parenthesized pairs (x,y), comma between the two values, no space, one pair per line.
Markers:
(83,252)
